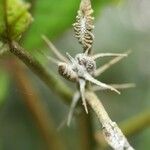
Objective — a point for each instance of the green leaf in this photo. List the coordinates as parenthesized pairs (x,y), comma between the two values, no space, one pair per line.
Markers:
(17,16)
(4,85)
(53,17)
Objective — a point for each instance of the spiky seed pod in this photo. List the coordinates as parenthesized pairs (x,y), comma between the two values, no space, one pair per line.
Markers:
(84,25)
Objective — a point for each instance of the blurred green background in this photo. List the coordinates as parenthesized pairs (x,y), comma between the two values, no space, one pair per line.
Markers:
(119,26)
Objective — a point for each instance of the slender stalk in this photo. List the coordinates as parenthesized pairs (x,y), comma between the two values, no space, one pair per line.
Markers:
(34,103)
(50,79)
(106,66)
(52,47)
(33,4)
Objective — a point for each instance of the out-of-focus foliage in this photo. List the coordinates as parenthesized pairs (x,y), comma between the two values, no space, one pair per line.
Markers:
(4,84)
(18,18)
(54,17)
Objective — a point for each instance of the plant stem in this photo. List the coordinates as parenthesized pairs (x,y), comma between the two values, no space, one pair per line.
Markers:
(130,127)
(113,135)
(50,79)
(34,103)
(33,3)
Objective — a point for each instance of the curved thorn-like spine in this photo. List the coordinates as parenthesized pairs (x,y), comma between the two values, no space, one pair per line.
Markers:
(50,58)
(99,55)
(116,86)
(53,60)
(103,85)
(106,66)
(54,49)
(72,60)
(74,102)
(82,83)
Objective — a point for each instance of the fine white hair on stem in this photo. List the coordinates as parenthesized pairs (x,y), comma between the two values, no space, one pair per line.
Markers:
(54,49)
(99,55)
(106,66)
(116,86)
(53,60)
(50,58)
(72,60)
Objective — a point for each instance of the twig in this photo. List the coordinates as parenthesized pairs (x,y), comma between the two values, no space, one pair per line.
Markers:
(113,135)
(54,49)
(99,55)
(50,79)
(34,103)
(130,127)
